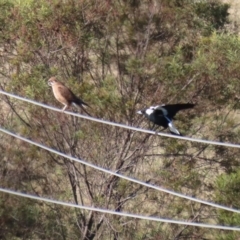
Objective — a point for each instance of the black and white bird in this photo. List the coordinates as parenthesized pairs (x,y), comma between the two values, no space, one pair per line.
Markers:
(163,115)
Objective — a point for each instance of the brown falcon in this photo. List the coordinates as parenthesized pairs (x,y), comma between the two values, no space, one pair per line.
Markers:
(64,95)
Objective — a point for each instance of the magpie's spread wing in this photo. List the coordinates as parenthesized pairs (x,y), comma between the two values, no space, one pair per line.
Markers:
(172,109)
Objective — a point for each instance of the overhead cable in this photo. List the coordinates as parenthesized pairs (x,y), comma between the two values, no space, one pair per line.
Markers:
(122,125)
(123,214)
(118,175)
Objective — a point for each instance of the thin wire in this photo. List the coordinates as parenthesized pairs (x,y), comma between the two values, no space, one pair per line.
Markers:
(122,125)
(118,175)
(123,214)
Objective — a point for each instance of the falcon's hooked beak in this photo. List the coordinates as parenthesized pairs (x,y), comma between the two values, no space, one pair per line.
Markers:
(49,83)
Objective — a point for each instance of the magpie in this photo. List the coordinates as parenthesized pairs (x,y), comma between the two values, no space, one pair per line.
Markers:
(163,115)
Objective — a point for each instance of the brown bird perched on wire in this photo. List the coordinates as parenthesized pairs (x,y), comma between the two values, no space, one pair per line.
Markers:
(65,96)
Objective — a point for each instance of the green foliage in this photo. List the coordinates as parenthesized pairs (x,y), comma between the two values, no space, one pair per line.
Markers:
(227,193)
(5,7)
(227,186)
(217,79)
(18,215)
(214,12)
(118,56)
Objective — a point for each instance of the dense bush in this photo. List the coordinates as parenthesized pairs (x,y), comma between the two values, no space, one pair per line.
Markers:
(119,56)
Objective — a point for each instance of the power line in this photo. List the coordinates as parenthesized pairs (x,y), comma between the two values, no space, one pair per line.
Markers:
(118,175)
(122,125)
(123,214)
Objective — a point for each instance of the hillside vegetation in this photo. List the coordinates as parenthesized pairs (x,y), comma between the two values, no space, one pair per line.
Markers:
(119,57)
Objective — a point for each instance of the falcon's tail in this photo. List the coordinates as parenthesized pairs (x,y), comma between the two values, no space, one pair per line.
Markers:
(79,102)
(82,105)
